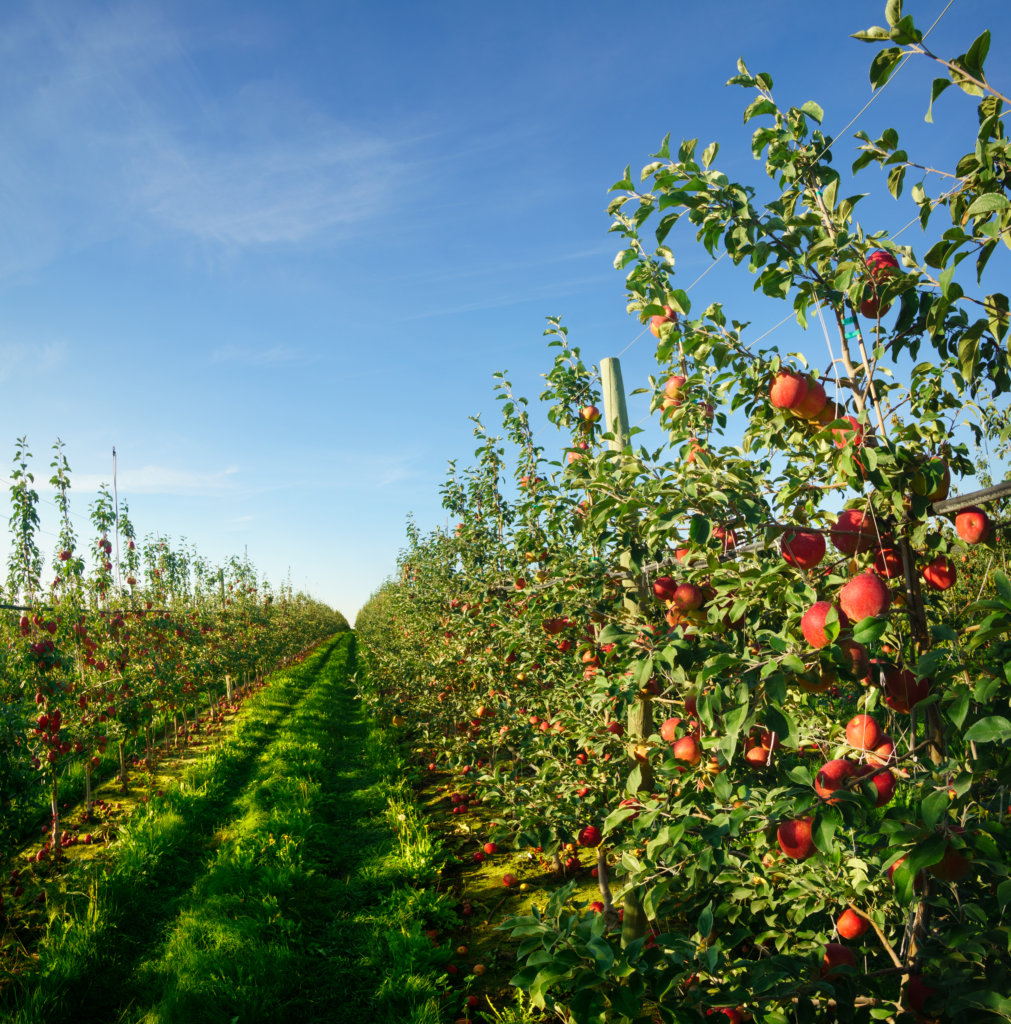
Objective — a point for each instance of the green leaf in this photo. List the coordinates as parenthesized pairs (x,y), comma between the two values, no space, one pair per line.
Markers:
(976,55)
(959,709)
(884,65)
(938,86)
(813,111)
(893,12)
(988,203)
(706,921)
(826,822)
(869,630)
(934,807)
(989,730)
(1003,585)
(700,529)
(871,35)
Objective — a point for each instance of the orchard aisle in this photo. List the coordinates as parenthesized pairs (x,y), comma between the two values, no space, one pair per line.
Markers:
(272,890)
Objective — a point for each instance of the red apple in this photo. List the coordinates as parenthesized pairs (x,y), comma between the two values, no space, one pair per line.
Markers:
(813,403)
(904,690)
(788,389)
(589,836)
(864,733)
(933,480)
(664,587)
(852,433)
(850,925)
(688,597)
(812,623)
(885,783)
(836,955)
(888,563)
(509,881)
(794,838)
(672,387)
(589,414)
(656,323)
(668,731)
(853,531)
(687,749)
(940,573)
(865,596)
(803,548)
(972,525)
(833,776)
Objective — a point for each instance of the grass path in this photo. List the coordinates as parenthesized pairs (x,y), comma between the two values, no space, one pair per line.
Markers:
(268,886)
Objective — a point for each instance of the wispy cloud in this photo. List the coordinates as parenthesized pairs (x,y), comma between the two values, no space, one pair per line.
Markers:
(160,480)
(110,128)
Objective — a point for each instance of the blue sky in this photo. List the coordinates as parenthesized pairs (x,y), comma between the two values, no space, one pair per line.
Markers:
(274,253)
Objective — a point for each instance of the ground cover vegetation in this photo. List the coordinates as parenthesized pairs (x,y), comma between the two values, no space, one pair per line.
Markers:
(755,680)
(278,876)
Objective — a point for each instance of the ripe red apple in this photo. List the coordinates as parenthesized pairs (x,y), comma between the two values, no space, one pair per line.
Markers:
(589,836)
(794,838)
(664,587)
(836,955)
(904,691)
(833,776)
(885,783)
(656,323)
(812,623)
(852,433)
(687,749)
(803,548)
(883,753)
(672,387)
(850,925)
(864,733)
(616,728)
(490,848)
(853,531)
(668,731)
(509,880)
(888,563)
(813,403)
(787,390)
(688,597)
(940,573)
(865,596)
(972,525)
(589,414)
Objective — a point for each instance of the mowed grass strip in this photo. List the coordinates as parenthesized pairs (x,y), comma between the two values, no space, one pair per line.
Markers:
(297,905)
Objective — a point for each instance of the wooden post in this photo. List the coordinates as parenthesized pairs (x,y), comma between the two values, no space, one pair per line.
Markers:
(615,411)
(640,715)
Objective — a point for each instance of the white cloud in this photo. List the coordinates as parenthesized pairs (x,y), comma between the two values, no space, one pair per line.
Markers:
(159,480)
(111,130)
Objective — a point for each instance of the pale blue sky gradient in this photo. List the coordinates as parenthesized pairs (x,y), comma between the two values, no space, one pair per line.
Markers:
(274,252)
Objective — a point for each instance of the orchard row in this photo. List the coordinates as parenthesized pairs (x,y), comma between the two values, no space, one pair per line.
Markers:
(758,670)
(107,654)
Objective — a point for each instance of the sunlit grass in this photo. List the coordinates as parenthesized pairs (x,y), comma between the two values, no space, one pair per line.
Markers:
(275,883)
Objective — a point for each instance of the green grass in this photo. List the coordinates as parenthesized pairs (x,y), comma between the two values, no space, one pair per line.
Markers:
(270,886)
